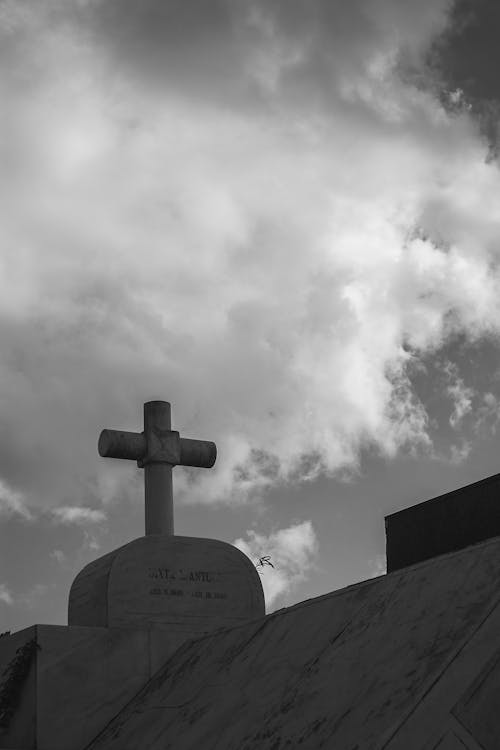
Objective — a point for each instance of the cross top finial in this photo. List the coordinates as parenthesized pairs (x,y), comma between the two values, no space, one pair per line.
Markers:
(157,449)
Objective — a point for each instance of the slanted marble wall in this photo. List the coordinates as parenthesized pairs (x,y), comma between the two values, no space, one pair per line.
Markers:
(407,661)
(79,680)
(21,731)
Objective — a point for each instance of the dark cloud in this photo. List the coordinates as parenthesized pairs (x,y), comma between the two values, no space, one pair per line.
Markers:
(465,59)
(468,51)
(245,54)
(181,47)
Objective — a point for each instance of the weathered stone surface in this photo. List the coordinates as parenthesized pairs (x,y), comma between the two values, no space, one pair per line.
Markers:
(191,585)
(450,742)
(478,709)
(379,665)
(79,679)
(21,729)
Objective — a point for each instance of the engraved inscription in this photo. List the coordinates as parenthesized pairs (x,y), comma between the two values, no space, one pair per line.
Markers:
(191,576)
(166,592)
(188,576)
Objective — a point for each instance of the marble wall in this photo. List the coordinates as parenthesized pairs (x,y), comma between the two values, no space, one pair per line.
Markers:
(79,679)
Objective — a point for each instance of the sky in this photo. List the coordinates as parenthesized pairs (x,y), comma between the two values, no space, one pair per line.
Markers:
(282,217)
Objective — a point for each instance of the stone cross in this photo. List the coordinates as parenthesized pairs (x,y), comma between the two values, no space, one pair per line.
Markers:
(157,449)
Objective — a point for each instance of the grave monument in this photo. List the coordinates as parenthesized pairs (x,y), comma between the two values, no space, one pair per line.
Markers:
(189,584)
(128,611)
(405,661)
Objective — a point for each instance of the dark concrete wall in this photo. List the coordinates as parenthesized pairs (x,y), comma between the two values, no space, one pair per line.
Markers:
(447,523)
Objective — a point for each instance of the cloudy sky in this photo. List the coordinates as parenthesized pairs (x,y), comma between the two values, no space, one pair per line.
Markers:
(283,217)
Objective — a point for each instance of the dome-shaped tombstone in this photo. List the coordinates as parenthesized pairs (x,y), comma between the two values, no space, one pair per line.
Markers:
(186,583)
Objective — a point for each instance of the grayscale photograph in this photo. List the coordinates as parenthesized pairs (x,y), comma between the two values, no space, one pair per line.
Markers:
(249,374)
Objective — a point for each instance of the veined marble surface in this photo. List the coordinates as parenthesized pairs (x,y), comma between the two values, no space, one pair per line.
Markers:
(405,661)
(79,680)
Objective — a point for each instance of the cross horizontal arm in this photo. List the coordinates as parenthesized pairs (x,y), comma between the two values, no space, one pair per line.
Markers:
(132,445)
(201,453)
(119,444)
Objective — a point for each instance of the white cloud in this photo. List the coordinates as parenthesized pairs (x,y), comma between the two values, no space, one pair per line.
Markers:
(12,503)
(291,551)
(460,394)
(91,543)
(249,221)
(377,566)
(31,599)
(78,515)
(458,453)
(59,556)
(5,594)
(488,414)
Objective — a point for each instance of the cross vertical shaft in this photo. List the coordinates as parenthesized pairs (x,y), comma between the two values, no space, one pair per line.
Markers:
(158,490)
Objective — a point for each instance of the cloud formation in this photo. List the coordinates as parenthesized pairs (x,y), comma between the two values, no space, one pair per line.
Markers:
(460,394)
(12,503)
(283,558)
(244,208)
(5,594)
(78,515)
